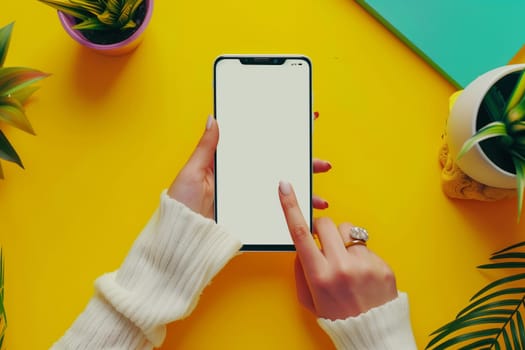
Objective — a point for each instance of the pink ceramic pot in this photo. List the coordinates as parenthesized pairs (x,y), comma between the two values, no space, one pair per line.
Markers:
(116,49)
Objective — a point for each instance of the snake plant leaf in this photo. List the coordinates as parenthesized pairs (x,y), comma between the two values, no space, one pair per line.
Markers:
(129,25)
(1,177)
(7,151)
(135,6)
(517,93)
(495,104)
(125,13)
(518,127)
(109,18)
(68,8)
(5,37)
(519,165)
(94,7)
(494,317)
(12,112)
(517,113)
(13,79)
(494,129)
(90,24)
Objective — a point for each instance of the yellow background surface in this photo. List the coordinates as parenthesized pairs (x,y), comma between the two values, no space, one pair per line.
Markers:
(113,132)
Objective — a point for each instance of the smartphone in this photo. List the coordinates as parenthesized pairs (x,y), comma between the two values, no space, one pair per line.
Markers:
(263,106)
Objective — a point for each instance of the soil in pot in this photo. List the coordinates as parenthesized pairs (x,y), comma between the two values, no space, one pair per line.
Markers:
(112,36)
(494,148)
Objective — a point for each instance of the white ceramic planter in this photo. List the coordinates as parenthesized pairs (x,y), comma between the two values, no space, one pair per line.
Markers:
(461,125)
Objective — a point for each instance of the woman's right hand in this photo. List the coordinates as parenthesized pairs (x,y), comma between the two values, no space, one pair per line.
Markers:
(334,282)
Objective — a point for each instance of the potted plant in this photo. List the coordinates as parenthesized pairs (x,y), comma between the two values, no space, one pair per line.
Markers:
(486,129)
(111,27)
(16,86)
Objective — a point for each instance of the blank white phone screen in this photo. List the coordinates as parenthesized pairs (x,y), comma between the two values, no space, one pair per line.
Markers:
(265,121)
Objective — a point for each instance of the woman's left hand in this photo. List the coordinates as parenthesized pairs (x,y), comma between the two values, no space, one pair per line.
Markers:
(194,186)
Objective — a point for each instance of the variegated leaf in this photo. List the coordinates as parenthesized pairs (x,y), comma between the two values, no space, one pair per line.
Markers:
(7,152)
(12,112)
(94,7)
(23,95)
(68,8)
(5,37)
(13,79)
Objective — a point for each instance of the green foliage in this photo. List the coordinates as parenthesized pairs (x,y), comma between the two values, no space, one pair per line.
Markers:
(99,14)
(3,318)
(508,125)
(494,319)
(16,86)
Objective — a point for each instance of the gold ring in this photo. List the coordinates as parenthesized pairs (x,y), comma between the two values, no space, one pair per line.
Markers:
(354,242)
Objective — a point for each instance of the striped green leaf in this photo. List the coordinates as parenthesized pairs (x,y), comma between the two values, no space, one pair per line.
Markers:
(12,112)
(68,8)
(7,151)
(5,37)
(494,129)
(13,79)
(495,104)
(91,24)
(93,7)
(517,93)
(22,95)
(519,165)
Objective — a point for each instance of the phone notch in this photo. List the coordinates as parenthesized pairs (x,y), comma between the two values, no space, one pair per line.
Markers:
(275,61)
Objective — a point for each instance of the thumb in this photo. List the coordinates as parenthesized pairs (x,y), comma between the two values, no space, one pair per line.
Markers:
(203,155)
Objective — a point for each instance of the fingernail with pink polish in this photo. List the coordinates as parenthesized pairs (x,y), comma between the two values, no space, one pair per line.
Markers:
(285,188)
(209,122)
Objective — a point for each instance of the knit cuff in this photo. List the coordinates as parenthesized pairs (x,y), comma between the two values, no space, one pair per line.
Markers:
(174,258)
(386,327)
(100,327)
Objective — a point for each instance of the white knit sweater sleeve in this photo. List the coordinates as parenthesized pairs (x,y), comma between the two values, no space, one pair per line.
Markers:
(386,327)
(174,258)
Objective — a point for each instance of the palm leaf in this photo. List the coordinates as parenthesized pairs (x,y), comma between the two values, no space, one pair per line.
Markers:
(3,318)
(494,317)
